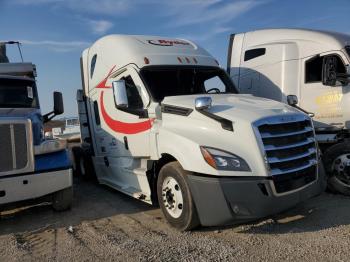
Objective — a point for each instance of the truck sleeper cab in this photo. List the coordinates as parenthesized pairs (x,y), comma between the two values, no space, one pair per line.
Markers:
(315,67)
(162,122)
(30,166)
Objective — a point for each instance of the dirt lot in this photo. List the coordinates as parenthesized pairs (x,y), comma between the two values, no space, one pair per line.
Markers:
(110,226)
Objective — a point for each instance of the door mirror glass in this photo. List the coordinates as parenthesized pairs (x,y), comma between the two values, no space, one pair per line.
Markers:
(329,71)
(58,108)
(292,100)
(120,95)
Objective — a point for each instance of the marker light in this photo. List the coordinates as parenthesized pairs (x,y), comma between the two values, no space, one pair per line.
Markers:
(146,60)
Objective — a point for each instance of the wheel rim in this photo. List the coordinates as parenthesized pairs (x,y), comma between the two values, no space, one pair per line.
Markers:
(172,197)
(341,168)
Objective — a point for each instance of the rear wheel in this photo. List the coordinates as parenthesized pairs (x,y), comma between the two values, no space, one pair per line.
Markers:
(175,198)
(83,164)
(337,162)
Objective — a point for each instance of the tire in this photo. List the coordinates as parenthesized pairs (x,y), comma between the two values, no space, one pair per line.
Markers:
(336,160)
(83,164)
(175,198)
(62,200)
(77,154)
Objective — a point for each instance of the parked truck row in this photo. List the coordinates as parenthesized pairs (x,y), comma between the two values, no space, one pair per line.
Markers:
(161,121)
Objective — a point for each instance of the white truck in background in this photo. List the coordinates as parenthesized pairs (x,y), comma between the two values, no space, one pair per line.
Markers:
(162,122)
(311,66)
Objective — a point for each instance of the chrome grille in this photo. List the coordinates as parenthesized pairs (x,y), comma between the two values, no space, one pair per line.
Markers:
(289,145)
(16,151)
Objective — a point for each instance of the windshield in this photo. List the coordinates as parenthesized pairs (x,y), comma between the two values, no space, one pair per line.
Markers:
(183,80)
(18,93)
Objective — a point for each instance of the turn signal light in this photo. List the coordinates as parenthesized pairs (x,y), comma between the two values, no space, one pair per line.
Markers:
(208,157)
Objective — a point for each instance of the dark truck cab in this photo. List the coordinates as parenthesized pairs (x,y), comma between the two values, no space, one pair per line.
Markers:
(31,167)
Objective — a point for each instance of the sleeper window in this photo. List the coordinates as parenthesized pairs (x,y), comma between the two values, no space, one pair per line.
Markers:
(254,53)
(92,66)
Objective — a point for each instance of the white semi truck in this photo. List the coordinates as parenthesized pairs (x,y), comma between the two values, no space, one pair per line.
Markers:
(31,167)
(162,122)
(312,66)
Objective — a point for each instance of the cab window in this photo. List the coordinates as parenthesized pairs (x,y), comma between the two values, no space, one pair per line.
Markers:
(213,84)
(314,66)
(313,70)
(134,98)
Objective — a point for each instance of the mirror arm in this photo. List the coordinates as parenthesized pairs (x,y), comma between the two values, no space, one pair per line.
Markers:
(303,110)
(343,78)
(47,117)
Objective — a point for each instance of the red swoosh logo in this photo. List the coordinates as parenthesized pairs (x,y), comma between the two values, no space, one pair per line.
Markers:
(102,84)
(123,127)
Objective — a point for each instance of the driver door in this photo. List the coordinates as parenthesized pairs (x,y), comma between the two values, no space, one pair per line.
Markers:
(328,103)
(124,137)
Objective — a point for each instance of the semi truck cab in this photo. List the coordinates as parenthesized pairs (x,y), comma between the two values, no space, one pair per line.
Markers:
(162,122)
(31,167)
(311,65)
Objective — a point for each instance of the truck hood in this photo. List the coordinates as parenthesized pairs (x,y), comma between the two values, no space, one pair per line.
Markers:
(33,114)
(235,106)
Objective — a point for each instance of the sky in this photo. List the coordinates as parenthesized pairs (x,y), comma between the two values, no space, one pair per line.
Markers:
(55,32)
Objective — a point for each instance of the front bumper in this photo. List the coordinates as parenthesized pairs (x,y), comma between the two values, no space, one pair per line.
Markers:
(221,200)
(36,185)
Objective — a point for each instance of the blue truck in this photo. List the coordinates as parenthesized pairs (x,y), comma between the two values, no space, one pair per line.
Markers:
(31,167)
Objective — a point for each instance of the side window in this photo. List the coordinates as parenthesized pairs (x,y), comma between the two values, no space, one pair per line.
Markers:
(214,82)
(97,114)
(313,70)
(134,98)
(347,48)
(254,53)
(92,66)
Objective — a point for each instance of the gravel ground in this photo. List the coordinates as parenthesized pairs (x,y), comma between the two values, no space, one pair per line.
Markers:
(105,225)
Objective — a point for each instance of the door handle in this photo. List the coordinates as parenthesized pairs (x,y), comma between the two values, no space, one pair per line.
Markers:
(106,161)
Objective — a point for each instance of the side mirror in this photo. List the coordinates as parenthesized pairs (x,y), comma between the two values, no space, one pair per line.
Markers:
(119,92)
(58,107)
(292,100)
(329,71)
(202,103)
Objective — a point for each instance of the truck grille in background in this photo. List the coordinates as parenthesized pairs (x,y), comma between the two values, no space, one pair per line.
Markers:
(14,147)
(290,150)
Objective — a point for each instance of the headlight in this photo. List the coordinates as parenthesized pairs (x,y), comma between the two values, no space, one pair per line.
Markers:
(222,160)
(50,146)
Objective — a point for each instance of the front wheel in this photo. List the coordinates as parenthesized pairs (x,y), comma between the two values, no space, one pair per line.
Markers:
(62,200)
(337,163)
(175,198)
